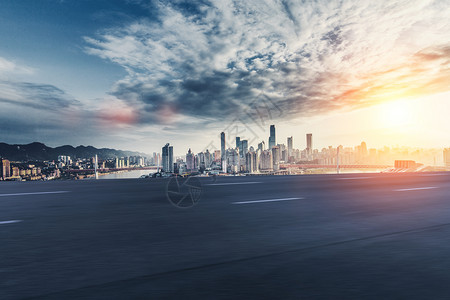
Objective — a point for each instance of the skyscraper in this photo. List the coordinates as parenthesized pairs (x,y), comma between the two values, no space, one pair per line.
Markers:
(238,142)
(233,159)
(222,148)
(171,167)
(309,145)
(217,157)
(262,146)
(244,148)
(266,161)
(167,158)
(276,157)
(272,138)
(447,157)
(289,144)
(363,149)
(190,160)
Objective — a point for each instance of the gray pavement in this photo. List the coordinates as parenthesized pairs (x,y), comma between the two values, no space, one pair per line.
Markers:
(342,236)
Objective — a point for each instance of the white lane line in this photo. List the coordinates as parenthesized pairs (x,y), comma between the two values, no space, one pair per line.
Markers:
(352,178)
(232,183)
(10,222)
(33,193)
(269,200)
(416,189)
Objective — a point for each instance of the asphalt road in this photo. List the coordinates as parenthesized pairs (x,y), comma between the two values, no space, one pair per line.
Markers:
(364,236)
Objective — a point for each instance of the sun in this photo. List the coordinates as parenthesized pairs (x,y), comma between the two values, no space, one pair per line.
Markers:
(397,113)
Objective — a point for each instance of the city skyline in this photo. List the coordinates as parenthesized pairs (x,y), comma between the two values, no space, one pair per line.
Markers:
(134,75)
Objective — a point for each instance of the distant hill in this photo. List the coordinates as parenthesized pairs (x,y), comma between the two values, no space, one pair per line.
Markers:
(39,151)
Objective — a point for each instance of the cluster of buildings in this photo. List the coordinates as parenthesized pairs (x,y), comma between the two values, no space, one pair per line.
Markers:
(268,158)
(233,158)
(64,166)
(241,158)
(24,171)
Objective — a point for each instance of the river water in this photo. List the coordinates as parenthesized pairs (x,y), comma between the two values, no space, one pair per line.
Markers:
(126,175)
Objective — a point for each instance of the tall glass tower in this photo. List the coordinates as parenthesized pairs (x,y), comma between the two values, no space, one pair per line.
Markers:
(222,147)
(272,139)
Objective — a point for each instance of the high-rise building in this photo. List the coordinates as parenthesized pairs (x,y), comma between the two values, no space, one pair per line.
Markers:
(171,169)
(201,161)
(363,149)
(447,157)
(244,148)
(208,159)
(262,146)
(309,144)
(272,138)
(289,150)
(233,159)
(167,158)
(217,156)
(276,157)
(238,142)
(251,162)
(266,161)
(282,152)
(5,168)
(249,166)
(190,160)
(222,147)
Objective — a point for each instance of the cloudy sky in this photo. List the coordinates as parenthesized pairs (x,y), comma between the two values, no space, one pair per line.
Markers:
(137,74)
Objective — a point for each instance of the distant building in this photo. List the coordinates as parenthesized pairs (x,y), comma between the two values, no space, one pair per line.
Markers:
(266,161)
(222,148)
(309,145)
(447,157)
(244,148)
(272,138)
(208,159)
(233,159)
(167,158)
(251,165)
(217,156)
(364,149)
(5,168)
(190,161)
(171,168)
(404,164)
(15,172)
(289,148)
(262,146)
(276,158)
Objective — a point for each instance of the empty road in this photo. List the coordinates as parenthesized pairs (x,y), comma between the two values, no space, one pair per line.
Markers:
(370,236)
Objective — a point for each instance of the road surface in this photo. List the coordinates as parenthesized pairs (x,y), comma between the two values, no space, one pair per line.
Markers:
(370,236)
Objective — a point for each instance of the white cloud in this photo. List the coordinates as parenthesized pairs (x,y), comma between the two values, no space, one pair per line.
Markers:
(311,56)
(8,68)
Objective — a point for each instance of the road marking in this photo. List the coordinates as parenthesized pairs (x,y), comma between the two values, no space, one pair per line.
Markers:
(10,222)
(232,183)
(33,193)
(416,189)
(352,178)
(269,200)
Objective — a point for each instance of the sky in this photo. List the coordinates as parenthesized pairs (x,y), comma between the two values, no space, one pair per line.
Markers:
(135,75)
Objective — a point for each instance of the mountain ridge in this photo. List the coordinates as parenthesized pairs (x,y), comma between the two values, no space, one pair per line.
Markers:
(40,151)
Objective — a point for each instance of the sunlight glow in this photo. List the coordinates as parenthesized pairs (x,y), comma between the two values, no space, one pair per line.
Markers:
(399,113)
